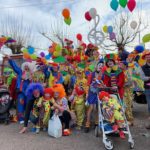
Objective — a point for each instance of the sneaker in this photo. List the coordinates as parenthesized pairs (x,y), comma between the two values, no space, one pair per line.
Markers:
(121,134)
(21,122)
(37,130)
(66,132)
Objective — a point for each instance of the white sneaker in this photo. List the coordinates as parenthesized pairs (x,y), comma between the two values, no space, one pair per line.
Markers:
(21,122)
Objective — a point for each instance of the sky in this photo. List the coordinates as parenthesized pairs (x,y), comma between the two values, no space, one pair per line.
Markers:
(43,13)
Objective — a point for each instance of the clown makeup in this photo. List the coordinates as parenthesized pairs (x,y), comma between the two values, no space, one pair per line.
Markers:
(47,95)
(105,98)
(26,68)
(56,95)
(36,93)
(99,67)
(110,63)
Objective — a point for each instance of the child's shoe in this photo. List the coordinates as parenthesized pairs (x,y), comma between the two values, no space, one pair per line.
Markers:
(115,128)
(66,132)
(121,134)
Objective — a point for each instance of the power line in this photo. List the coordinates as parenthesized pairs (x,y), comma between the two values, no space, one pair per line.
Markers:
(38,4)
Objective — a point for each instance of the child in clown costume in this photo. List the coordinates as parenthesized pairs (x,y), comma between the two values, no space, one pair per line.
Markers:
(24,77)
(112,112)
(78,97)
(44,104)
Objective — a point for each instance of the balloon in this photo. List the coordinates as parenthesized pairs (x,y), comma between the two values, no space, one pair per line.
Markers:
(66,13)
(87,16)
(67,21)
(112,36)
(114,5)
(79,37)
(47,57)
(51,50)
(33,56)
(123,3)
(133,24)
(58,47)
(42,54)
(93,12)
(24,50)
(146,38)
(105,29)
(56,54)
(26,55)
(131,5)
(30,50)
(139,48)
(110,29)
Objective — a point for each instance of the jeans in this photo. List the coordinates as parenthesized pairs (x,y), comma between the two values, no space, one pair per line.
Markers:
(147,94)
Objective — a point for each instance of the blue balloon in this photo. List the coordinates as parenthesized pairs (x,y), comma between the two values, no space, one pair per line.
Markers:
(110,29)
(30,50)
(47,57)
(114,5)
(139,48)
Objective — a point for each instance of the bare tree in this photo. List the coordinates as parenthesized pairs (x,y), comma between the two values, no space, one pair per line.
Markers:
(16,28)
(125,35)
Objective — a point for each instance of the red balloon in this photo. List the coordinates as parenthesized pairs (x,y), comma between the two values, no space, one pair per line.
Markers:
(87,16)
(79,37)
(131,5)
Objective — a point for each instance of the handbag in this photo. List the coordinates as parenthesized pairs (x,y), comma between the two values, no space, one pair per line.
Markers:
(55,127)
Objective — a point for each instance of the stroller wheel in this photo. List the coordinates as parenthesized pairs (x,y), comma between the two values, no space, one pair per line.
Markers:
(108,144)
(131,145)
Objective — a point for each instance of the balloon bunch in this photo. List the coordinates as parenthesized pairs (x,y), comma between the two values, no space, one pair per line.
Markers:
(66,15)
(91,14)
(28,53)
(6,40)
(55,50)
(131,4)
(109,30)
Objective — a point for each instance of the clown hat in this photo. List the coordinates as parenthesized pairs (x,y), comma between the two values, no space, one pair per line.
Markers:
(110,57)
(102,94)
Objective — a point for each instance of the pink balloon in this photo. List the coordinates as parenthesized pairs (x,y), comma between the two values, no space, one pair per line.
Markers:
(87,16)
(131,5)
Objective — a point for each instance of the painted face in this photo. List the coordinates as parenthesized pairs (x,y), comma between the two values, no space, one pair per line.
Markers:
(36,93)
(56,94)
(110,63)
(105,98)
(99,66)
(26,68)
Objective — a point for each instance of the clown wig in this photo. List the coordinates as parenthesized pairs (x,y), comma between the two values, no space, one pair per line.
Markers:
(103,94)
(32,87)
(59,89)
(49,91)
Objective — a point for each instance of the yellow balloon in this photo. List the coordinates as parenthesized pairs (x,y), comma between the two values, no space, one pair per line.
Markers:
(105,29)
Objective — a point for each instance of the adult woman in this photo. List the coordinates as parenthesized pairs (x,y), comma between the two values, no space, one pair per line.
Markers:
(61,107)
(34,92)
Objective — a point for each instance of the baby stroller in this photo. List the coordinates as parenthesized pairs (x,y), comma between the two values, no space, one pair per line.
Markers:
(106,127)
(5,104)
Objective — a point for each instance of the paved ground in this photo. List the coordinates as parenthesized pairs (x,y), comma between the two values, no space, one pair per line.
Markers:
(10,139)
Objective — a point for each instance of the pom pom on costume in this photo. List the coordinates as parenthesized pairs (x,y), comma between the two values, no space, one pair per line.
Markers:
(32,87)
(139,48)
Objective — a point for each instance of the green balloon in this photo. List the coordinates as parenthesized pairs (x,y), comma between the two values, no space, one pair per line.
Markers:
(33,56)
(123,3)
(146,38)
(25,50)
(67,21)
(58,47)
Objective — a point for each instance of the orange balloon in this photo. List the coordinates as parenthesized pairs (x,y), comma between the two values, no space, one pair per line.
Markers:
(26,55)
(66,13)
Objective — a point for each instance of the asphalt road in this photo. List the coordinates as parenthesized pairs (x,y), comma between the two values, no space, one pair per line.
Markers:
(10,139)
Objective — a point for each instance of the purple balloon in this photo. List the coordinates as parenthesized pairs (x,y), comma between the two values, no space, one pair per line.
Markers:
(112,36)
(42,54)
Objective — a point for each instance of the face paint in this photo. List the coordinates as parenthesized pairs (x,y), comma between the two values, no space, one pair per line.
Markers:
(36,93)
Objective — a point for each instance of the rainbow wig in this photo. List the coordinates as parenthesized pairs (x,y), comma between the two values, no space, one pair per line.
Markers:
(60,89)
(32,87)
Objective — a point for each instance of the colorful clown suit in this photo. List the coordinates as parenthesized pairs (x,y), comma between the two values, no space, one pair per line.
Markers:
(23,80)
(79,96)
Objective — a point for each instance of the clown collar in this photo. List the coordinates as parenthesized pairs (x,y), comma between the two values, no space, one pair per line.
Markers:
(114,69)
